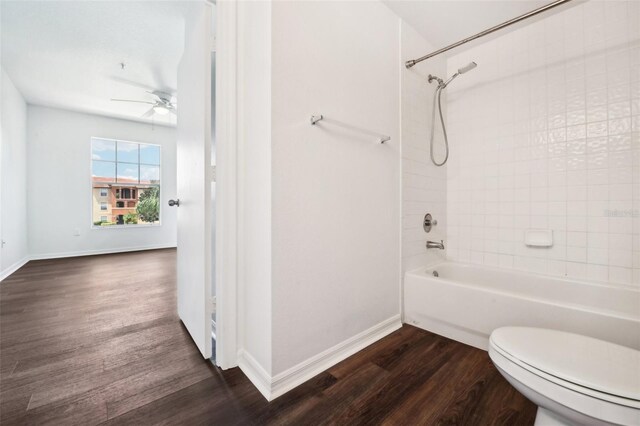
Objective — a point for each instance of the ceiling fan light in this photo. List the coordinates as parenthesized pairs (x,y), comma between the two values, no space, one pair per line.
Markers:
(159,109)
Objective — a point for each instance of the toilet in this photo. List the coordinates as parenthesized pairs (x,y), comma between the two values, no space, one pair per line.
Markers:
(573,379)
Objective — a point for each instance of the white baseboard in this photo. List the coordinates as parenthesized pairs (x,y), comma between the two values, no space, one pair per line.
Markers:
(273,387)
(254,371)
(11,269)
(43,256)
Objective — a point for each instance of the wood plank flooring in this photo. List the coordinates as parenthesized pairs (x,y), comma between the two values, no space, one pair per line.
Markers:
(96,340)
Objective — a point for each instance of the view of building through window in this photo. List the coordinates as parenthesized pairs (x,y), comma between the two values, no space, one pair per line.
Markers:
(125,179)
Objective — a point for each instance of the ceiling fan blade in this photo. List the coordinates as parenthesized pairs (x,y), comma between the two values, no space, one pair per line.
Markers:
(131,100)
(149,113)
(162,96)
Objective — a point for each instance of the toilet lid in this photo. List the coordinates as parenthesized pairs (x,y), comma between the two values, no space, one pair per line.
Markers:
(584,361)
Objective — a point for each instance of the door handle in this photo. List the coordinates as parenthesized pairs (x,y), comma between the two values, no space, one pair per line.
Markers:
(174,203)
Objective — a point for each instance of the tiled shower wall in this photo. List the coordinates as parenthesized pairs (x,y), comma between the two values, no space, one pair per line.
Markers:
(545,133)
(423,184)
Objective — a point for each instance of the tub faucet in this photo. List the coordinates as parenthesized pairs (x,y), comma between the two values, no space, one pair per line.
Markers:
(433,244)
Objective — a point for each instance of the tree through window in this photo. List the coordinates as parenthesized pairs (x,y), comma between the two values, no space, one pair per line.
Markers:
(127,175)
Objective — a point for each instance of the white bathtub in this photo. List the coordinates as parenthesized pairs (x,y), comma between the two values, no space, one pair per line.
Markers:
(467,302)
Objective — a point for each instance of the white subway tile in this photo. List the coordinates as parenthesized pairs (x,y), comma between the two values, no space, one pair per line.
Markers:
(620,275)
(597,240)
(622,258)
(577,239)
(597,273)
(562,153)
(598,256)
(577,254)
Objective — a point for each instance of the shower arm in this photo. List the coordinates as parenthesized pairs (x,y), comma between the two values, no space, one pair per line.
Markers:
(446,83)
(549,6)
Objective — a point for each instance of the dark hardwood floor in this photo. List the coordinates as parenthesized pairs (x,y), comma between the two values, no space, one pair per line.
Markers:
(96,339)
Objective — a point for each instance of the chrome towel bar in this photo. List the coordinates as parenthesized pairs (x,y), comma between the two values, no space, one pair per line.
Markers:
(381,138)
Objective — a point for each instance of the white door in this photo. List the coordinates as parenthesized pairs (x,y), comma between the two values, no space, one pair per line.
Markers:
(194,180)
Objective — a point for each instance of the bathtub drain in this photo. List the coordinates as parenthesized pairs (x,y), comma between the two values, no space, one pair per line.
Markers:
(435,274)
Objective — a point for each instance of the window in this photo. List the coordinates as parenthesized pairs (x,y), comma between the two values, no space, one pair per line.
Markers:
(131,172)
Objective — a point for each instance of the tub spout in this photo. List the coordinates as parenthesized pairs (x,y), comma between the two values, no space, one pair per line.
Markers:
(433,244)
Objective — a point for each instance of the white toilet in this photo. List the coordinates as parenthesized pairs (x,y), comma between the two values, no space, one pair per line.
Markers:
(574,379)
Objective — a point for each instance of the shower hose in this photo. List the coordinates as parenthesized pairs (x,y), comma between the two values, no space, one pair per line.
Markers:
(437,96)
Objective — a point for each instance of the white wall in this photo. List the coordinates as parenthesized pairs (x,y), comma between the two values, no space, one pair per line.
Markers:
(59,196)
(545,133)
(424,185)
(335,190)
(13,195)
(319,206)
(254,181)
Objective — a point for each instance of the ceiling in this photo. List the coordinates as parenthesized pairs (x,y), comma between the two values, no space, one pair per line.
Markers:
(443,22)
(68,54)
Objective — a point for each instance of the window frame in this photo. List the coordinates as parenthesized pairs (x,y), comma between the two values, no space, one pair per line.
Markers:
(138,186)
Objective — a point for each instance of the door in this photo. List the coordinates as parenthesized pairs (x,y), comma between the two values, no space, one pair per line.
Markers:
(193,156)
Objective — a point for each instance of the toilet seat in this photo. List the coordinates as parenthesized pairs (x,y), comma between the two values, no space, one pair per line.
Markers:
(585,380)
(611,396)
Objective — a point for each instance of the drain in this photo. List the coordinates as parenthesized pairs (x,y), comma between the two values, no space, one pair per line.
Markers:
(435,274)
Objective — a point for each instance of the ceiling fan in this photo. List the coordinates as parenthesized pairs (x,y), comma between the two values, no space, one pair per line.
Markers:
(162,106)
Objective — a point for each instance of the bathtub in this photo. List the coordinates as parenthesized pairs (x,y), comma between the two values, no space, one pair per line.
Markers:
(467,302)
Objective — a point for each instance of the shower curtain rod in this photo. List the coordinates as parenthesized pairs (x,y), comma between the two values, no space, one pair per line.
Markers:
(549,6)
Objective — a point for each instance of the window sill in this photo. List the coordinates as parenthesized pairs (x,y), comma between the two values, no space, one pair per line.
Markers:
(130,226)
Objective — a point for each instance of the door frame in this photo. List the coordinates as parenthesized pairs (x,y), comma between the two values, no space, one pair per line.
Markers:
(226,240)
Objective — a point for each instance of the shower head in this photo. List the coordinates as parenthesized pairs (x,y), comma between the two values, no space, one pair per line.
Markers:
(468,67)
